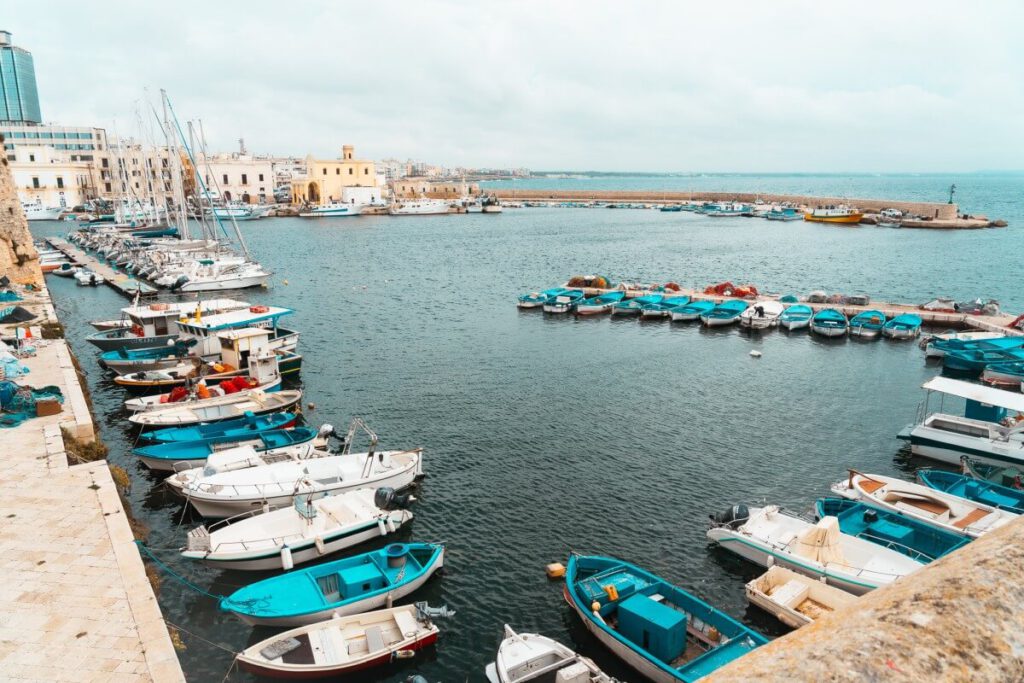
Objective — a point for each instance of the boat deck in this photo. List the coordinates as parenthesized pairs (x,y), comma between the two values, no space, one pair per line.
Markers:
(119,282)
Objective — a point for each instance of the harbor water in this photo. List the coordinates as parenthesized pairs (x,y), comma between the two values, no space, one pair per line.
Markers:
(545,434)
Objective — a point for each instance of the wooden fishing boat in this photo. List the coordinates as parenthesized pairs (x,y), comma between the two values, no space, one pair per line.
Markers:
(201,395)
(905,326)
(660,630)
(343,587)
(762,315)
(524,657)
(662,309)
(177,455)
(794,599)
(796,317)
(257,402)
(563,303)
(691,311)
(829,323)
(974,360)
(937,344)
(725,313)
(537,299)
(144,380)
(122,361)
(987,492)
(867,325)
(602,303)
(633,306)
(1007,375)
(834,214)
(1012,477)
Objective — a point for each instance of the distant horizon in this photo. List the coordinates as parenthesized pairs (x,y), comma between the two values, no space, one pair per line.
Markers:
(696,174)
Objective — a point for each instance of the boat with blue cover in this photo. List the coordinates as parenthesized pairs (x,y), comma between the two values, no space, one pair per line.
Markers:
(663,308)
(867,324)
(938,347)
(987,492)
(1008,374)
(784,214)
(976,360)
(168,457)
(725,313)
(537,299)
(691,311)
(348,586)
(671,207)
(565,302)
(724,209)
(660,630)
(634,306)
(229,430)
(905,326)
(912,537)
(796,317)
(602,303)
(125,361)
(829,323)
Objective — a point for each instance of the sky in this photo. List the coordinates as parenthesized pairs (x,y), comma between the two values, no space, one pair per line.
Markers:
(718,86)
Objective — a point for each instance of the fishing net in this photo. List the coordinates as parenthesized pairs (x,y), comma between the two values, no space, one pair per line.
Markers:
(18,403)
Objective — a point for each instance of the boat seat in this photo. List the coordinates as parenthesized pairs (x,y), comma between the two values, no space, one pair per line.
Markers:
(870,485)
(971,518)
(331,645)
(374,639)
(791,593)
(406,623)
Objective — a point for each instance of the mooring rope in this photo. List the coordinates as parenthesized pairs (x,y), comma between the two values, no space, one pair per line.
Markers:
(181,579)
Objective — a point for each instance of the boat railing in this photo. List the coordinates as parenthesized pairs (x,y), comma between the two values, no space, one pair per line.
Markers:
(913,553)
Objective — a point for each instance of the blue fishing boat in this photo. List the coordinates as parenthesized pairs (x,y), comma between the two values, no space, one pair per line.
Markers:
(124,361)
(660,630)
(167,457)
(723,209)
(691,311)
(538,299)
(784,214)
(725,313)
(868,324)
(671,207)
(796,317)
(976,360)
(564,302)
(348,586)
(663,308)
(633,306)
(905,326)
(987,492)
(1008,374)
(912,537)
(829,323)
(229,430)
(939,347)
(602,303)
(1008,476)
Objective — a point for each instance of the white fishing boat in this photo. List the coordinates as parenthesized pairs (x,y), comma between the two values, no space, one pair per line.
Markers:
(333,210)
(524,657)
(768,536)
(263,378)
(216,277)
(794,599)
(307,530)
(225,494)
(937,508)
(228,407)
(35,211)
(238,458)
(419,207)
(762,315)
(88,278)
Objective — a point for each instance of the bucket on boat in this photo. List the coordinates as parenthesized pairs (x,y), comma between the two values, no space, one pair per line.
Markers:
(397,554)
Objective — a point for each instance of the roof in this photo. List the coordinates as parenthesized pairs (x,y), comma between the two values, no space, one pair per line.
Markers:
(244,332)
(240,318)
(176,308)
(1012,400)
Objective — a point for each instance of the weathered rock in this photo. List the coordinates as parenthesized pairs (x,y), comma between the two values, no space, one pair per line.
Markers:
(18,257)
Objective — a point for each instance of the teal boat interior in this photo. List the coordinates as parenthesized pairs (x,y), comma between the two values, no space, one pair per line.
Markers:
(997,344)
(696,307)
(237,428)
(830,317)
(541,297)
(871,320)
(1011,477)
(797,312)
(918,540)
(985,492)
(604,299)
(677,632)
(640,301)
(200,450)
(1015,368)
(728,309)
(906,321)
(667,304)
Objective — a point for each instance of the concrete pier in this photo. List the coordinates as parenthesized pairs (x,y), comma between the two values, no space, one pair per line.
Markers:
(119,282)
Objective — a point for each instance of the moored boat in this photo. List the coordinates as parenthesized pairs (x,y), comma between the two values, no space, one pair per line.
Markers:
(794,599)
(690,311)
(867,324)
(834,214)
(257,402)
(88,278)
(633,306)
(176,455)
(243,427)
(537,299)
(663,309)
(978,491)
(937,345)
(829,322)
(524,657)
(974,360)
(796,317)
(602,303)
(783,214)
(333,210)
(1009,374)
(905,326)
(563,303)
(762,314)
(1009,476)
(725,313)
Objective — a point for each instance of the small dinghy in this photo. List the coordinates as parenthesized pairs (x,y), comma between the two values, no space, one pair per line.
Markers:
(633,306)
(88,278)
(691,311)
(343,587)
(538,299)
(238,429)
(65,270)
(662,309)
(912,537)
(524,657)
(563,303)
(796,317)
(762,315)
(308,530)
(174,456)
(829,323)
(867,325)
(725,313)
(342,645)
(601,303)
(987,492)
(122,361)
(180,396)
(943,510)
(767,536)
(906,326)
(1011,477)
(229,407)
(1009,375)
(665,633)
(145,380)
(794,599)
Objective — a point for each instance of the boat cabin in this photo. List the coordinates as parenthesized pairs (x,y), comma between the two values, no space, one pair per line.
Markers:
(206,330)
(236,346)
(158,319)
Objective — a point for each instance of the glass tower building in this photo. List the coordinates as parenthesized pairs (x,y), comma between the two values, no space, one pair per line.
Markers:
(19,99)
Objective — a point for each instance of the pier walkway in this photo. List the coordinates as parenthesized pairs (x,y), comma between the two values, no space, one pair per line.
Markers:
(120,282)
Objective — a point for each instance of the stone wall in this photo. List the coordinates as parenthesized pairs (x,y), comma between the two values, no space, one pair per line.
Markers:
(18,258)
(960,618)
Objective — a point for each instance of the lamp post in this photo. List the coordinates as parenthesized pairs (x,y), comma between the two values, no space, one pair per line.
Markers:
(952,189)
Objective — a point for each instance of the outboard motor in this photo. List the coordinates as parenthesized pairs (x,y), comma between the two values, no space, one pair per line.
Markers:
(325,431)
(733,518)
(387,499)
(180,282)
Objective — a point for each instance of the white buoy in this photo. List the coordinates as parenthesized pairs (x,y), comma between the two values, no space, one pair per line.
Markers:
(380,526)
(286,558)
(755,354)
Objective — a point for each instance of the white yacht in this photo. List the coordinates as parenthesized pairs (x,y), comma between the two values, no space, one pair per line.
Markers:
(35,211)
(409,207)
(333,210)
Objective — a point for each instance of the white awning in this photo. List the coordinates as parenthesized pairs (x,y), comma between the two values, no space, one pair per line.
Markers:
(977,392)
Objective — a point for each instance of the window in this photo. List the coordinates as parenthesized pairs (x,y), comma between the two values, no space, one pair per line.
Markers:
(35,182)
(261,177)
(245,179)
(337,171)
(32,157)
(366,171)
(351,171)
(107,186)
(60,182)
(225,178)
(325,171)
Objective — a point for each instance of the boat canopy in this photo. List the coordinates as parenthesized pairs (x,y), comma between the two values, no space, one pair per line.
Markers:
(976,392)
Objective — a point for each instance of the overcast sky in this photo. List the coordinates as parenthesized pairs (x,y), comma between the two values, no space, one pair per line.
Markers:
(671,86)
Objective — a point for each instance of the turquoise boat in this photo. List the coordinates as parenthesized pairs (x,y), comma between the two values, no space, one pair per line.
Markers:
(868,324)
(725,313)
(977,360)
(1008,374)
(691,311)
(986,492)
(915,539)
(659,629)
(1009,476)
(229,430)
(796,317)
(663,308)
(602,303)
(348,586)
(633,306)
(673,207)
(998,344)
(177,455)
(563,302)
(786,214)
(906,326)
(538,299)
(829,323)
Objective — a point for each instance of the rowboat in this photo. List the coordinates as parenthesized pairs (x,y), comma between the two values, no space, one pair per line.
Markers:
(563,303)
(602,303)
(794,599)
(762,315)
(691,311)
(342,645)
(938,344)
(975,360)
(1009,374)
(940,509)
(768,536)
(238,458)
(307,530)
(228,407)
(537,299)
(342,587)
(829,323)
(171,457)
(144,380)
(1011,477)
(914,538)
(867,325)
(238,429)
(524,657)
(905,326)
(660,630)
(987,492)
(663,308)
(122,361)
(633,306)
(725,313)
(218,395)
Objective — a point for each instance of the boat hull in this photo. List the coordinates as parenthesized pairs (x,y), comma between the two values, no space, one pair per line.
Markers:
(795,324)
(593,309)
(850,218)
(224,283)
(949,448)
(718,322)
(116,343)
(901,333)
(828,331)
(864,332)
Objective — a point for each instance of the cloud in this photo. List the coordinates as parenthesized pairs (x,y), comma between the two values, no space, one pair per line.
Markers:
(724,86)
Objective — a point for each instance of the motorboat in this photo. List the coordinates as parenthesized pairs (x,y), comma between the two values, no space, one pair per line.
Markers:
(155,325)
(36,211)
(834,214)
(725,313)
(602,303)
(65,269)
(1009,476)
(239,458)
(725,209)
(905,326)
(762,314)
(691,311)
(783,214)
(257,402)
(975,490)
(419,207)
(867,324)
(829,322)
(88,278)
(333,210)
(176,455)
(794,599)
(238,429)
(524,657)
